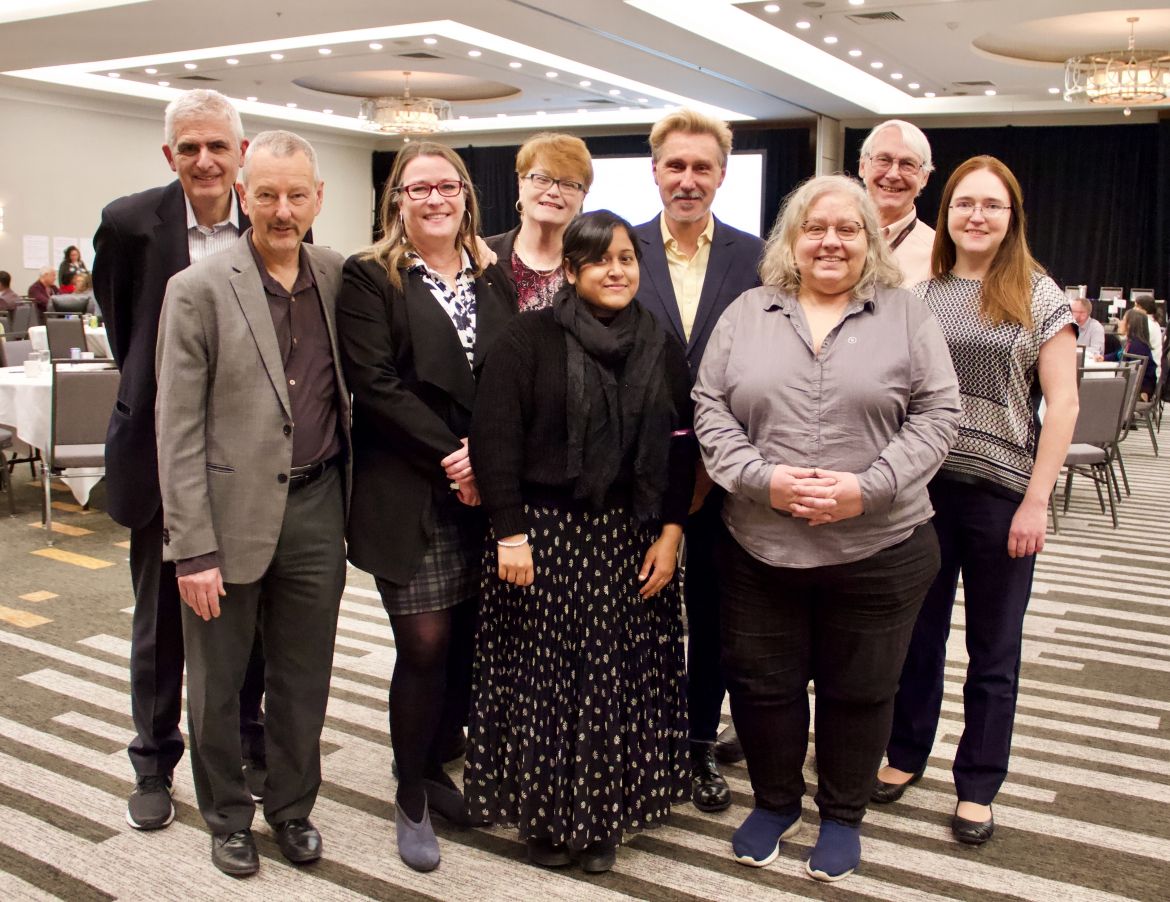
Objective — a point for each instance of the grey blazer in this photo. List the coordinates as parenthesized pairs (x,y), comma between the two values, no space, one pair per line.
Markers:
(223,417)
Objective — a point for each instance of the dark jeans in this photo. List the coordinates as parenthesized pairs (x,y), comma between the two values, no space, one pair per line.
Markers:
(846,628)
(972,526)
(294,604)
(156,663)
(705,686)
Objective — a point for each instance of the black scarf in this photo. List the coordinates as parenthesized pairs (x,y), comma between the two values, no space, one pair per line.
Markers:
(618,405)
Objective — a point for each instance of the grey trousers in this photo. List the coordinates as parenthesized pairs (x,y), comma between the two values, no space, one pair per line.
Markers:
(294,606)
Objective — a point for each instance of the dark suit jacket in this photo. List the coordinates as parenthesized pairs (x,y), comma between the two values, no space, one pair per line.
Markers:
(412,398)
(732,268)
(502,246)
(140,243)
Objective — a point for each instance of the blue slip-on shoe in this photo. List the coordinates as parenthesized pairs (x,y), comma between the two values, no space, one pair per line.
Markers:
(417,846)
(757,841)
(837,852)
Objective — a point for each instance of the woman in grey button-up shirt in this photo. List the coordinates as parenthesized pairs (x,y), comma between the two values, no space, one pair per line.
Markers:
(825,402)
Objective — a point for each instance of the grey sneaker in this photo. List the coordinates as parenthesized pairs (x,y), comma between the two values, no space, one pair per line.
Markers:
(150,805)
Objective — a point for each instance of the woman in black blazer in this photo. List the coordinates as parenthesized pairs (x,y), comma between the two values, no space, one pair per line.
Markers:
(416,315)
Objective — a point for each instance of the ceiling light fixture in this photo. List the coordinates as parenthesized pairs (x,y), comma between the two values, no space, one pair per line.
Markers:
(772,8)
(1120,77)
(190,66)
(551,74)
(232,61)
(114,74)
(276,56)
(164,84)
(375,46)
(896,76)
(515,64)
(876,64)
(405,115)
(830,39)
(804,25)
(151,71)
(324,51)
(913,86)
(855,52)
(430,41)
(474,53)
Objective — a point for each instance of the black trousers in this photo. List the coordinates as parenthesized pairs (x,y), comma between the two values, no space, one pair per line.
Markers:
(294,604)
(705,684)
(973,526)
(845,627)
(156,663)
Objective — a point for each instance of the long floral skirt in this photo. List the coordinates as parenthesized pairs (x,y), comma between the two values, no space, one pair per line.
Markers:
(578,728)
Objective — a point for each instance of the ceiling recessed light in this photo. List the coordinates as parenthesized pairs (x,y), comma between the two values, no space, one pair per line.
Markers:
(896,76)
(551,74)
(613,92)
(324,51)
(990,92)
(643,100)
(327,111)
(585,84)
(291,106)
(190,65)
(929,94)
(474,53)
(232,61)
(913,86)
(164,84)
(252,99)
(276,56)
(855,52)
(830,39)
(514,64)
(151,71)
(856,2)
(1054,90)
(431,41)
(876,64)
(804,25)
(375,46)
(114,74)
(772,8)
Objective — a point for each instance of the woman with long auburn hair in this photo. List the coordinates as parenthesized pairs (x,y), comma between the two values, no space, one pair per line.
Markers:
(1009,328)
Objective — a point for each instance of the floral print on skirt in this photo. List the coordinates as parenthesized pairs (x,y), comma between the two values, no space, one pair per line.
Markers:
(578,728)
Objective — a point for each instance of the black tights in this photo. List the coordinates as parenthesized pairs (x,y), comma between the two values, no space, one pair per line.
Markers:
(429,693)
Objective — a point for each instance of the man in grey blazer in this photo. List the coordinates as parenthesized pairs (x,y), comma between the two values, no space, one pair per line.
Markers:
(252,423)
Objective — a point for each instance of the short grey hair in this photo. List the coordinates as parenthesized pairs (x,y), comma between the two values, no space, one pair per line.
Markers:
(912,136)
(1085,302)
(280,143)
(201,102)
(778,266)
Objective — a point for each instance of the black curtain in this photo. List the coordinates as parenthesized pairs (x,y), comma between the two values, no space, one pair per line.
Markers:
(1095,195)
(788,161)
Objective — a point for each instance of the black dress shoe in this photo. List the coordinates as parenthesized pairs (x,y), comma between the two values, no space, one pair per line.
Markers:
(972,833)
(598,857)
(546,854)
(299,840)
(883,793)
(728,749)
(235,853)
(709,791)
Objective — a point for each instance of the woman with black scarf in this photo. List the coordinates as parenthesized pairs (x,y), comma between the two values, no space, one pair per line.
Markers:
(582,446)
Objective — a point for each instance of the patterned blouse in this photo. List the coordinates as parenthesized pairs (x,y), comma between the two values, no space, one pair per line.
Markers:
(535,289)
(997,370)
(457,301)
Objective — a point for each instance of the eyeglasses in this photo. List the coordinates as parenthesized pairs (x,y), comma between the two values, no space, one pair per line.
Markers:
(846,231)
(906,165)
(544,182)
(991,210)
(422,190)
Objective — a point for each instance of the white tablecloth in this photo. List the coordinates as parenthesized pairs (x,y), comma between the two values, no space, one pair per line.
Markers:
(24,408)
(95,340)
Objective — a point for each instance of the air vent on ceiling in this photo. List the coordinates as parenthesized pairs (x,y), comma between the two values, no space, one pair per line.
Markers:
(197,78)
(975,84)
(419,55)
(870,18)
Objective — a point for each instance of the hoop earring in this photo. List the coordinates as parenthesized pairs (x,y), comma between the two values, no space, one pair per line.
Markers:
(519,208)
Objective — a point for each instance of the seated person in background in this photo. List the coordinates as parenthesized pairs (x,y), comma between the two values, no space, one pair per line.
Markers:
(71,265)
(69,302)
(67,286)
(43,288)
(1146,306)
(8,298)
(1135,333)
(1090,333)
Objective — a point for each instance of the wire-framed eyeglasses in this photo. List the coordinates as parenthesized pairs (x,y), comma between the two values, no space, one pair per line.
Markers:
(846,231)
(906,165)
(991,209)
(544,182)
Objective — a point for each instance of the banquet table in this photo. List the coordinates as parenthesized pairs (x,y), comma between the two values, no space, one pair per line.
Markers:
(24,408)
(95,340)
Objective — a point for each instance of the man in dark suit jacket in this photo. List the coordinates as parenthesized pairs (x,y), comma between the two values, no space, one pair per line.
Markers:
(142,241)
(693,266)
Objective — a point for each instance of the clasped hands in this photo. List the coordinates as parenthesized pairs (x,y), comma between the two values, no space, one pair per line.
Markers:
(457,466)
(817,495)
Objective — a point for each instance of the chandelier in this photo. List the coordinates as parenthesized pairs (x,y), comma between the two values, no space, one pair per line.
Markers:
(1119,77)
(405,115)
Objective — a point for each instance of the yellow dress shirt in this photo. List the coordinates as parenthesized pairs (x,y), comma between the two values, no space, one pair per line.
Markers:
(687,273)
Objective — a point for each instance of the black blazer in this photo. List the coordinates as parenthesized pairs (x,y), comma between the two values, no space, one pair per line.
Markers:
(413,395)
(502,246)
(732,269)
(140,243)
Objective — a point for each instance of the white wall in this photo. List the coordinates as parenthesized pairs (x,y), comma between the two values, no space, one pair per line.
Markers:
(61,162)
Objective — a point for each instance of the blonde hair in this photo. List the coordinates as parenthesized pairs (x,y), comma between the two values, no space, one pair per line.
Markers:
(691,122)
(394,244)
(563,154)
(1007,288)
(778,266)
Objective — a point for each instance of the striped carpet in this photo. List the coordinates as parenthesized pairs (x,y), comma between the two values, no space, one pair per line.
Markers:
(1085,814)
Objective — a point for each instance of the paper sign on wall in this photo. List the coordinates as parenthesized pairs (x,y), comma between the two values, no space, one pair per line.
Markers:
(36,251)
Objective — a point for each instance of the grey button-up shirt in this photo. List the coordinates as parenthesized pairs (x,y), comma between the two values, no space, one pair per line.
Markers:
(880,400)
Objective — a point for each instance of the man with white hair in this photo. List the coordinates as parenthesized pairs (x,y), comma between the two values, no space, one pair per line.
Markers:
(44,288)
(895,164)
(142,241)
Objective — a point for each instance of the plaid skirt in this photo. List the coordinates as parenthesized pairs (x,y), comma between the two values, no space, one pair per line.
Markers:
(449,573)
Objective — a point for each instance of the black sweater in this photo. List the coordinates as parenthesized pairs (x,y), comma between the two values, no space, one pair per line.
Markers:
(519,432)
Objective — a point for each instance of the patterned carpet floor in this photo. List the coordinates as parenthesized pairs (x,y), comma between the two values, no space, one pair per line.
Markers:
(1085,814)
